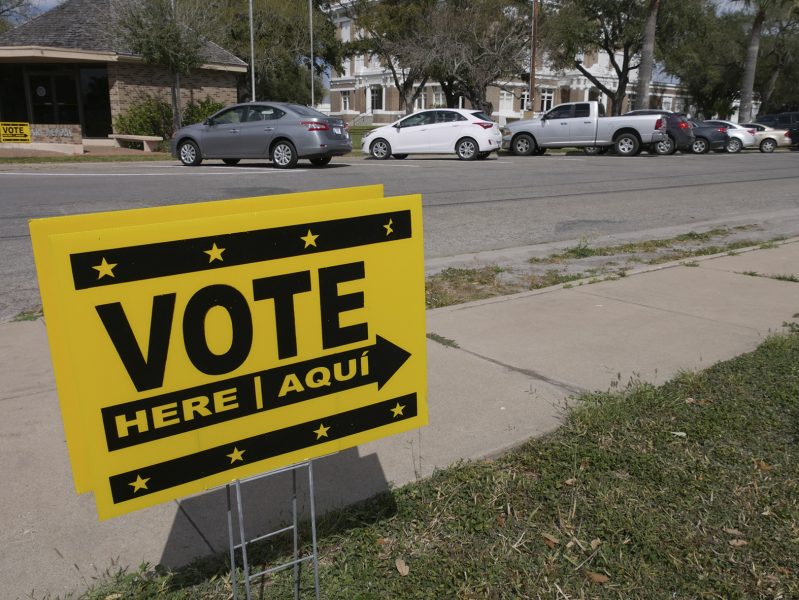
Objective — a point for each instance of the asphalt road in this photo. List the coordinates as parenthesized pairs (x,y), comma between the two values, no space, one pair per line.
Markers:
(469,207)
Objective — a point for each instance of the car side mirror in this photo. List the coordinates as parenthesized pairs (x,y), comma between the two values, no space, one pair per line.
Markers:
(397,126)
(209,121)
(544,117)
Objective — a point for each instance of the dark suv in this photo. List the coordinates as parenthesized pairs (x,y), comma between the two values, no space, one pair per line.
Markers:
(783,120)
(680,135)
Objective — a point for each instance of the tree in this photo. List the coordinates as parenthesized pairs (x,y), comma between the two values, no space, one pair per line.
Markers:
(705,52)
(479,43)
(13,12)
(779,69)
(762,9)
(283,67)
(399,33)
(577,28)
(647,56)
(166,33)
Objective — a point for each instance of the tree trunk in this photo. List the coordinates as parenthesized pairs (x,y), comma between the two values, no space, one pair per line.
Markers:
(647,56)
(176,102)
(750,68)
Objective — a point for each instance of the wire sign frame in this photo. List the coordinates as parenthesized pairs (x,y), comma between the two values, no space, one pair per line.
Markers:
(236,505)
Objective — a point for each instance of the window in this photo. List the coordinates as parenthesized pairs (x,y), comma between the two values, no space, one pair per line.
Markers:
(525,103)
(264,113)
(582,110)
(439,99)
(377,97)
(505,102)
(419,103)
(424,118)
(448,116)
(345,31)
(666,103)
(345,101)
(547,98)
(233,115)
(561,112)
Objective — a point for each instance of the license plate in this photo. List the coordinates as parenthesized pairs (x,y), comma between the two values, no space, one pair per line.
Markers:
(337,130)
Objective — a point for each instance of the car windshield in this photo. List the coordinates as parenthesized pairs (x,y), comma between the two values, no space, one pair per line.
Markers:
(306,111)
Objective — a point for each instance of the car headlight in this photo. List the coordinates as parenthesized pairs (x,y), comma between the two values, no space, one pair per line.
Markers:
(504,131)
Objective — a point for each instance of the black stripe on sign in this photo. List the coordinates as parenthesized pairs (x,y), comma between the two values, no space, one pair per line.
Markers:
(163,259)
(186,469)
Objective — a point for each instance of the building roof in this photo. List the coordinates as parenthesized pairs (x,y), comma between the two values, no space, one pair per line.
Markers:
(86,25)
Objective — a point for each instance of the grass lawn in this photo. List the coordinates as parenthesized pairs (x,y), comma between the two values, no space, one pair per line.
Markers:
(689,490)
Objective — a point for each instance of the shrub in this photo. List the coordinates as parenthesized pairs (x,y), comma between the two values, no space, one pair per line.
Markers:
(197,112)
(152,116)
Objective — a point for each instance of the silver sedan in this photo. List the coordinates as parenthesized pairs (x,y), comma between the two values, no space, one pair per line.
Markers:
(280,131)
(769,139)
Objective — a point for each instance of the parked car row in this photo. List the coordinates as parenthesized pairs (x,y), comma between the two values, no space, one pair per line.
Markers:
(285,133)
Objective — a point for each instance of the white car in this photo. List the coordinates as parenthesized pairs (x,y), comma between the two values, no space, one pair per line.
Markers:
(468,133)
(740,136)
(769,139)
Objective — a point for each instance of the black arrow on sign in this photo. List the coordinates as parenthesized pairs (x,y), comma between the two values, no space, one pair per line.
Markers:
(132,423)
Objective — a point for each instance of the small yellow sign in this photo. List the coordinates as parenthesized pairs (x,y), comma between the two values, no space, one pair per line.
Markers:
(193,345)
(19,133)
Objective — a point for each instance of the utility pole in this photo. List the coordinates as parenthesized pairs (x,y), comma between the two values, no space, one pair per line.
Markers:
(533,32)
(252,56)
(310,28)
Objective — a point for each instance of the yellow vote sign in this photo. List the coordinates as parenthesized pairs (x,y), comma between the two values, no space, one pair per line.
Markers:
(15,132)
(196,345)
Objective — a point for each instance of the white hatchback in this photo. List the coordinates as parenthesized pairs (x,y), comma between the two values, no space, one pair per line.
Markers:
(470,134)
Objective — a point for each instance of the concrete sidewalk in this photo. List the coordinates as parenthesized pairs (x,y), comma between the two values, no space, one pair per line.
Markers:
(513,365)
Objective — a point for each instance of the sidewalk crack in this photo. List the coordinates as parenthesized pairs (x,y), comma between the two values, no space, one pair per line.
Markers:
(566,387)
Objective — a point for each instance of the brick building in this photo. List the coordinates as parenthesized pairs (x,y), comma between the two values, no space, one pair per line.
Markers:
(65,67)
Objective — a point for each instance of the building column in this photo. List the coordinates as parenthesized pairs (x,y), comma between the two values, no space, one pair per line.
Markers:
(368,89)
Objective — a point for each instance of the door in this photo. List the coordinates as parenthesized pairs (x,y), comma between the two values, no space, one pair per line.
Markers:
(258,130)
(582,127)
(413,133)
(222,137)
(449,128)
(54,98)
(555,127)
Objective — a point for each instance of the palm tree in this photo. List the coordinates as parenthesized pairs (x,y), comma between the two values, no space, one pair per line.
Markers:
(647,56)
(762,9)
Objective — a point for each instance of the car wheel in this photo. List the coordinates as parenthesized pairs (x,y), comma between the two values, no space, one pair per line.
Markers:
(467,149)
(666,147)
(734,145)
(768,145)
(189,154)
(700,146)
(523,145)
(380,149)
(321,161)
(626,144)
(284,155)
(231,161)
(400,156)
(483,155)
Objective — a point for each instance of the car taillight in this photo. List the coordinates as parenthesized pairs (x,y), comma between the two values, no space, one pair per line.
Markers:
(659,124)
(684,125)
(484,125)
(316,126)
(722,129)
(787,134)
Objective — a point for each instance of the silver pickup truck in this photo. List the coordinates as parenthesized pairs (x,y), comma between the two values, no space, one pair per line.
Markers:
(584,125)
